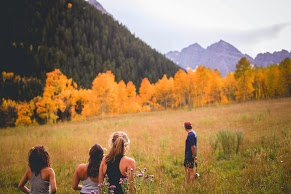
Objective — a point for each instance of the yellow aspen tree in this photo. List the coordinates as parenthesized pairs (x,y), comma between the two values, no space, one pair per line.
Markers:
(202,76)
(191,87)
(285,77)
(163,91)
(122,97)
(88,103)
(146,93)
(258,82)
(52,101)
(180,87)
(243,75)
(105,90)
(132,100)
(272,81)
(229,87)
(24,114)
(213,90)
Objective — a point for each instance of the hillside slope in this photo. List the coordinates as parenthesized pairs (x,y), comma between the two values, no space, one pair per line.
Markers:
(75,37)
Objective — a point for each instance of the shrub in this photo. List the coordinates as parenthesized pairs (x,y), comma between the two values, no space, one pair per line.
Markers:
(227,141)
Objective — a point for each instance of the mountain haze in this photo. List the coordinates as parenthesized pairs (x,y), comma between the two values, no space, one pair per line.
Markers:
(221,56)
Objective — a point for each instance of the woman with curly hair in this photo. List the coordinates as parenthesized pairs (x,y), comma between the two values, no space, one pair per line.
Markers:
(39,173)
(88,173)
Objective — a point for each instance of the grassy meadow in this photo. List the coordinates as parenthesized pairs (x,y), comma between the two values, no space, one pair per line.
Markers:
(262,163)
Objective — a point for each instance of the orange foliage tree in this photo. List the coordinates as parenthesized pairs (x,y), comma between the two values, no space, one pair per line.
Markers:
(181,88)
(164,91)
(146,92)
(244,77)
(104,94)
(57,96)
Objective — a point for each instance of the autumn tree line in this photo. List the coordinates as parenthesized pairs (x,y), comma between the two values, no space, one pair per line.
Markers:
(63,101)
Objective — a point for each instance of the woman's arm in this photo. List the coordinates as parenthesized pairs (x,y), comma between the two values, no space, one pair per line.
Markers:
(23,181)
(101,171)
(53,181)
(130,171)
(76,180)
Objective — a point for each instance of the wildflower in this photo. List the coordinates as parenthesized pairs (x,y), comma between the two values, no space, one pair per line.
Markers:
(106,175)
(281,161)
(271,171)
(145,169)
(120,182)
(92,192)
(99,185)
(152,176)
(139,175)
(131,169)
(112,186)
(111,191)
(146,176)
(282,188)
(262,186)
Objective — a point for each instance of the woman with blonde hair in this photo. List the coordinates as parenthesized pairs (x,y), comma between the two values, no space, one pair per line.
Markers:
(116,165)
(88,173)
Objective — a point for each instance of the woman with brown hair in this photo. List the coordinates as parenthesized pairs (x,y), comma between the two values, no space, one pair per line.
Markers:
(88,173)
(116,165)
(39,173)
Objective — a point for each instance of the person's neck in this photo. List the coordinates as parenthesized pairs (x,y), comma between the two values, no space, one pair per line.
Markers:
(189,130)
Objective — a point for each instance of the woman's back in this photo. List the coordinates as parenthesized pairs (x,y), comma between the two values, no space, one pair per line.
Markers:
(114,174)
(88,183)
(38,185)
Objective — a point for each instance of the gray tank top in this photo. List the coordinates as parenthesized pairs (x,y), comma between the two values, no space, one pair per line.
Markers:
(37,185)
(88,185)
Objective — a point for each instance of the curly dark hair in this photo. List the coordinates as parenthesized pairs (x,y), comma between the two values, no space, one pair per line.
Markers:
(38,158)
(96,156)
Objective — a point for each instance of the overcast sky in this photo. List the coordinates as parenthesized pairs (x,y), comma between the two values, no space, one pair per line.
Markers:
(252,26)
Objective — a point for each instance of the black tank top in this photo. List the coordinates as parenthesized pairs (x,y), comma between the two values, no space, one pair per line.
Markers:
(114,174)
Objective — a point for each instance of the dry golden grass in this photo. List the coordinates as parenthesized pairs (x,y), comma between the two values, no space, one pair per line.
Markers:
(157,142)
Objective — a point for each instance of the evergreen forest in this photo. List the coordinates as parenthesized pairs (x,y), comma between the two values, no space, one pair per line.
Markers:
(75,37)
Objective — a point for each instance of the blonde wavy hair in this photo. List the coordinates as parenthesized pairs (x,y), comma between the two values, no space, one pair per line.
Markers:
(119,144)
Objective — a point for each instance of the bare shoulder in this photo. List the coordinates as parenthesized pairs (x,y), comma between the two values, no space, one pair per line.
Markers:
(48,170)
(129,160)
(82,166)
(103,161)
(81,169)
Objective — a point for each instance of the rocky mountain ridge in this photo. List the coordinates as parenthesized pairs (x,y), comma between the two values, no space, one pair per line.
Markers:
(221,56)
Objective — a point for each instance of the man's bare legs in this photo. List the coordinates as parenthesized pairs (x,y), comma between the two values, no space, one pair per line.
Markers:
(189,176)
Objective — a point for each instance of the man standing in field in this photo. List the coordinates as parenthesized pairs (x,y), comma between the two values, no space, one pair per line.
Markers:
(190,153)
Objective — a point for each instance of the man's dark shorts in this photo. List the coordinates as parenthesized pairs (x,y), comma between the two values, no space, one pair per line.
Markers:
(189,163)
